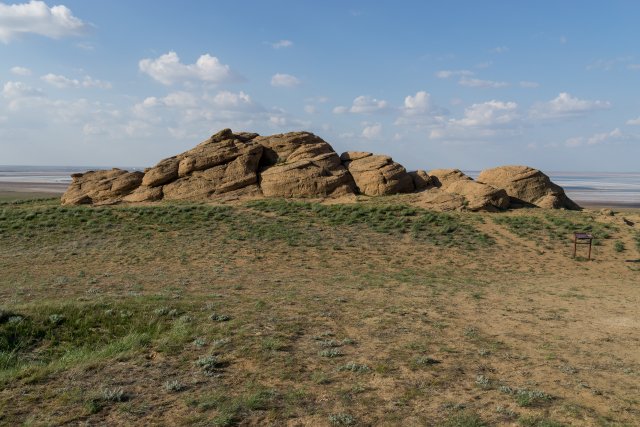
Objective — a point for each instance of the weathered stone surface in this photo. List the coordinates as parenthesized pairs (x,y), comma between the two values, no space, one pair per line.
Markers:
(527,186)
(437,199)
(301,164)
(231,166)
(99,187)
(143,194)
(421,180)
(377,175)
(479,196)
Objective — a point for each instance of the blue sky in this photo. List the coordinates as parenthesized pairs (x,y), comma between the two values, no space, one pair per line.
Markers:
(462,84)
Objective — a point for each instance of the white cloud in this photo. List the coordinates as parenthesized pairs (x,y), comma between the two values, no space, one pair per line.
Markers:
(63,82)
(372,131)
(471,82)
(489,113)
(499,49)
(230,100)
(20,71)
(17,90)
(634,122)
(565,105)
(363,104)
(280,44)
(284,80)
(480,121)
(37,18)
(418,104)
(598,138)
(529,85)
(310,109)
(445,74)
(167,69)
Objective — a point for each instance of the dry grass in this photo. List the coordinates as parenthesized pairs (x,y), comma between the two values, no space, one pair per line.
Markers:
(273,313)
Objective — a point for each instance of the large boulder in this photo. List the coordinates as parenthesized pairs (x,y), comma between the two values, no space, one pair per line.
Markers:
(377,175)
(300,164)
(527,186)
(224,163)
(478,196)
(101,187)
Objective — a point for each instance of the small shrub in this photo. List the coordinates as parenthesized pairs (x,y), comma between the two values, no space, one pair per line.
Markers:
(173,386)
(331,352)
(355,367)
(210,364)
(618,246)
(114,395)
(219,317)
(56,319)
(342,419)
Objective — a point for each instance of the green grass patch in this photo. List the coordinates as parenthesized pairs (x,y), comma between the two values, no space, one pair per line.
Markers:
(37,341)
(441,229)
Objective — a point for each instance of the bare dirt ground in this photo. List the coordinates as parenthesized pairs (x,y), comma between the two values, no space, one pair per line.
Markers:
(266,315)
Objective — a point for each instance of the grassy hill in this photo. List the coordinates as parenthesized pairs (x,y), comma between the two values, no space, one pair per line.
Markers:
(298,313)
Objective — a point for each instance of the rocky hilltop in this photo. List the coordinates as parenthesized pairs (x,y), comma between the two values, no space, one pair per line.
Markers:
(300,164)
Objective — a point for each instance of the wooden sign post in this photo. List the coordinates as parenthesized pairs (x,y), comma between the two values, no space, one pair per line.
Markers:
(582,239)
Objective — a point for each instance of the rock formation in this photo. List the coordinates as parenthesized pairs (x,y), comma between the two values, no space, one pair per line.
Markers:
(301,164)
(527,186)
(478,196)
(377,175)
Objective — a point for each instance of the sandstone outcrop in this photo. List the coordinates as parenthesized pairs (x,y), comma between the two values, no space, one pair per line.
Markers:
(478,196)
(300,164)
(100,187)
(377,175)
(527,186)
(232,165)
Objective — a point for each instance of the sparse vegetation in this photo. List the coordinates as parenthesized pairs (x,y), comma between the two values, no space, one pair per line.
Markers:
(275,312)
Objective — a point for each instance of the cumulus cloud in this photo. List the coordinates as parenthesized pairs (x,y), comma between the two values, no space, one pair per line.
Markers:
(17,90)
(62,82)
(363,104)
(471,82)
(167,69)
(482,120)
(36,17)
(446,74)
(565,105)
(634,122)
(280,44)
(598,138)
(20,71)
(284,80)
(372,131)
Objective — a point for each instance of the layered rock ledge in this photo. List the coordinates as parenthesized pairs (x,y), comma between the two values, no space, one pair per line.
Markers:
(301,164)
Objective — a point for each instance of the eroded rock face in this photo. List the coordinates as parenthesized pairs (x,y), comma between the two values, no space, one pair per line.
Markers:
(231,165)
(478,196)
(301,164)
(527,186)
(101,187)
(377,175)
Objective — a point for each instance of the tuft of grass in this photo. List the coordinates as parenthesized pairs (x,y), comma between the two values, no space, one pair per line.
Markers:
(618,246)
